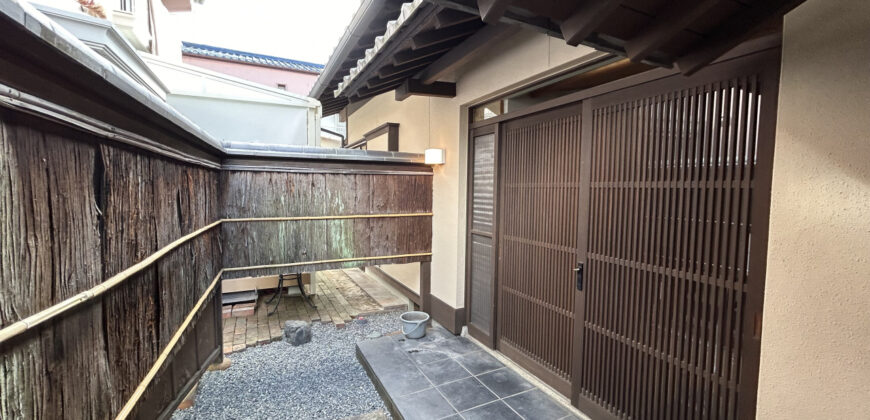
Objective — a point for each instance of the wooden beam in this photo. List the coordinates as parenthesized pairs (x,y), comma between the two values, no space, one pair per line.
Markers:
(613,71)
(364,93)
(734,31)
(440,36)
(586,19)
(665,26)
(416,87)
(451,17)
(399,77)
(391,130)
(391,70)
(408,56)
(492,10)
(465,52)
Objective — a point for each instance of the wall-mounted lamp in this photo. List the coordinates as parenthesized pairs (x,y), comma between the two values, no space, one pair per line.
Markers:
(434,157)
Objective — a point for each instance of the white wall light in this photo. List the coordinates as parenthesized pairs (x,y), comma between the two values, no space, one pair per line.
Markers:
(434,157)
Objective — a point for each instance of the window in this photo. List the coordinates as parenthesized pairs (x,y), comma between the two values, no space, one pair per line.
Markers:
(487,110)
(126,6)
(282,86)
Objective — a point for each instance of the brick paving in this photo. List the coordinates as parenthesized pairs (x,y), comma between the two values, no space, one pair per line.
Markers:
(339,300)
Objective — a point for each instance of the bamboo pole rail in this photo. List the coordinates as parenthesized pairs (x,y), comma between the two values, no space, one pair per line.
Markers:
(137,393)
(70,303)
(59,308)
(345,217)
(336,260)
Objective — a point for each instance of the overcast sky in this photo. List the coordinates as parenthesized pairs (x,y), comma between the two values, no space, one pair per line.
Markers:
(306,30)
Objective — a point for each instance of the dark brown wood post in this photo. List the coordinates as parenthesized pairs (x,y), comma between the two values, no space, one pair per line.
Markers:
(219,322)
(393,137)
(425,286)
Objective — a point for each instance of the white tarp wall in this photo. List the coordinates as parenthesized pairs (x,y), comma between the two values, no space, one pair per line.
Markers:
(236,110)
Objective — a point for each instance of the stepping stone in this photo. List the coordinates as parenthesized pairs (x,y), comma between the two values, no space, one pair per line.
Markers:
(297,332)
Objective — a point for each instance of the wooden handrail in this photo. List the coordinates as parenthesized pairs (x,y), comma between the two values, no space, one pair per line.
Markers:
(59,308)
(390,129)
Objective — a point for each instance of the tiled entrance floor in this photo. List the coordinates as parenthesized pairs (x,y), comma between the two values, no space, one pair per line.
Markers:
(442,376)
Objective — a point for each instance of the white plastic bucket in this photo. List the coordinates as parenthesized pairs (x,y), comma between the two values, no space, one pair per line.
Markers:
(414,324)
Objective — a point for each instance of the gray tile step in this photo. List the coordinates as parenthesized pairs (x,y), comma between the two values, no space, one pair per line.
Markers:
(441,376)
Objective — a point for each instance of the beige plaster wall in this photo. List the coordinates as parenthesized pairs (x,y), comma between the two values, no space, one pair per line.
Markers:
(815,360)
(441,123)
(412,114)
(407,274)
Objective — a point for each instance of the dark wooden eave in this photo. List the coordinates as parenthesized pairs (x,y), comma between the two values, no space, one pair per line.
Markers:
(445,34)
(382,11)
(423,39)
(687,33)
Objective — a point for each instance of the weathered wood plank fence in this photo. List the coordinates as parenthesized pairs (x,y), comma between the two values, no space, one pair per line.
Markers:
(75,212)
(263,194)
(77,209)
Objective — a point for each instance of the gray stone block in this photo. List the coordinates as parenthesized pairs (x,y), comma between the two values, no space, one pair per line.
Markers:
(297,332)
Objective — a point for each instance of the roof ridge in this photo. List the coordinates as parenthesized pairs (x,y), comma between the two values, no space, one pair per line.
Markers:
(188,47)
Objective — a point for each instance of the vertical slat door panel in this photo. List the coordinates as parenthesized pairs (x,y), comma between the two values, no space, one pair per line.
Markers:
(673,179)
(481,252)
(483,183)
(481,283)
(538,236)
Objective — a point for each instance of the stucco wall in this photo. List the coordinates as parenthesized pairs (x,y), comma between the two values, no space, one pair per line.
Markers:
(296,82)
(441,123)
(815,360)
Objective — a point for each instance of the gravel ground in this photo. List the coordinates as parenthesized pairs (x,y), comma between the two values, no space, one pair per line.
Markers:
(318,380)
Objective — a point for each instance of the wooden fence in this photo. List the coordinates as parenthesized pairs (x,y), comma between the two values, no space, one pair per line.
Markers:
(76,210)
(258,194)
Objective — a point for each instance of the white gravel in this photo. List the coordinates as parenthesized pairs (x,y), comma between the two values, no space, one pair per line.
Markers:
(318,380)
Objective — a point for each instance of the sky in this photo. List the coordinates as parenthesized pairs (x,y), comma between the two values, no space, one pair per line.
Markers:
(306,30)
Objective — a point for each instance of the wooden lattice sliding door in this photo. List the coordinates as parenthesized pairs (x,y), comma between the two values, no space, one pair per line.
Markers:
(538,236)
(678,211)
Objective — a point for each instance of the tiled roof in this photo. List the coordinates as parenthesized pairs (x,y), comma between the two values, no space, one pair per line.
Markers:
(202,50)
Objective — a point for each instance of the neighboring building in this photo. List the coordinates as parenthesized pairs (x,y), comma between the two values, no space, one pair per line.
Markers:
(231,109)
(277,72)
(137,20)
(713,191)
(282,73)
(107,41)
(238,112)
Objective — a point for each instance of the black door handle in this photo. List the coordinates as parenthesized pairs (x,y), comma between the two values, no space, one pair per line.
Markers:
(579,272)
